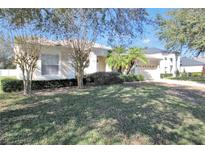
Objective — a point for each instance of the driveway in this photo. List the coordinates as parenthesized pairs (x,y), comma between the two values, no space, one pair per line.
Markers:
(180,83)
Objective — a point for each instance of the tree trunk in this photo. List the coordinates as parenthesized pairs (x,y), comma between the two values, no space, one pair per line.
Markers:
(80,79)
(130,67)
(120,70)
(26,82)
(24,87)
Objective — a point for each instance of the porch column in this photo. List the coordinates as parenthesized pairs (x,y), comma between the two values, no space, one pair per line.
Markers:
(92,68)
(107,68)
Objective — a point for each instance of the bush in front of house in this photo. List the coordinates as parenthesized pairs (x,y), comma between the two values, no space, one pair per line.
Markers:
(166,75)
(196,74)
(10,85)
(132,77)
(99,78)
(104,78)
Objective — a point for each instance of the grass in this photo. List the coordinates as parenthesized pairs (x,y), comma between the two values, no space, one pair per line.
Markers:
(199,79)
(118,114)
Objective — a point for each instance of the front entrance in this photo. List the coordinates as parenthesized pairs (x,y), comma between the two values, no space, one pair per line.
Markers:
(101,64)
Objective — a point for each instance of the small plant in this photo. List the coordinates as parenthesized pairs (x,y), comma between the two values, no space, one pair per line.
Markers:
(132,77)
(166,75)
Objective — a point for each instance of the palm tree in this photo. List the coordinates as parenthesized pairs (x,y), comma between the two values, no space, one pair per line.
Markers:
(123,61)
(116,59)
(135,55)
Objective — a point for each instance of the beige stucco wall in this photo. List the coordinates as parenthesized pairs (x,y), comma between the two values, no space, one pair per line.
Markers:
(65,68)
(101,65)
(66,71)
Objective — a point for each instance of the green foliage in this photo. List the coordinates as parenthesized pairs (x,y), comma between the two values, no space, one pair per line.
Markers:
(132,77)
(183,29)
(9,84)
(196,74)
(117,59)
(104,21)
(104,78)
(177,73)
(123,60)
(166,75)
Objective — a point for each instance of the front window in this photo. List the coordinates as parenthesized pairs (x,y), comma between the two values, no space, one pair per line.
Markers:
(49,64)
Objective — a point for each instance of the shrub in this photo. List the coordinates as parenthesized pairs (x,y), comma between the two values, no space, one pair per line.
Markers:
(132,77)
(196,74)
(166,75)
(9,85)
(141,77)
(104,78)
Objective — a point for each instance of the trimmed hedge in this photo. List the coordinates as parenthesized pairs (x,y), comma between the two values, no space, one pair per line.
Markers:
(99,78)
(132,77)
(166,75)
(196,74)
(104,78)
(9,85)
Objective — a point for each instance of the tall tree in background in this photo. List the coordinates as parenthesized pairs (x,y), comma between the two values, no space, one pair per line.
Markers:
(6,52)
(84,27)
(81,28)
(183,29)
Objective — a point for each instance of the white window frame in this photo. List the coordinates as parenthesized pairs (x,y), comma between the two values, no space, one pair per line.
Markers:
(59,61)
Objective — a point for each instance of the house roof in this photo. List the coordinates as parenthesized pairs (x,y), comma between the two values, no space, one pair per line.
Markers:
(191,62)
(67,43)
(156,50)
(201,59)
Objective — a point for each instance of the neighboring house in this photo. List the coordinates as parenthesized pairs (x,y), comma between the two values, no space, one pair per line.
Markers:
(54,62)
(190,65)
(159,62)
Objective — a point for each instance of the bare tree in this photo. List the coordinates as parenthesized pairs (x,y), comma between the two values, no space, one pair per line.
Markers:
(80,51)
(79,31)
(27,51)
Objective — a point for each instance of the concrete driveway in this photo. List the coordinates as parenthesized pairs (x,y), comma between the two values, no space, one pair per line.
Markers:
(180,83)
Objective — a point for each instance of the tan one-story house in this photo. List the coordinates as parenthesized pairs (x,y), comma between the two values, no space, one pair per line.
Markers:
(55,63)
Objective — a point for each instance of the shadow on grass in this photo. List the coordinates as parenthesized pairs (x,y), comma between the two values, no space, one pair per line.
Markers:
(118,114)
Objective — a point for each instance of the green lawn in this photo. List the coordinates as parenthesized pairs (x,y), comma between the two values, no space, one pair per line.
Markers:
(118,114)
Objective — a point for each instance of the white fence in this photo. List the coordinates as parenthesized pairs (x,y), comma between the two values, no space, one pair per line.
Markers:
(8,72)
